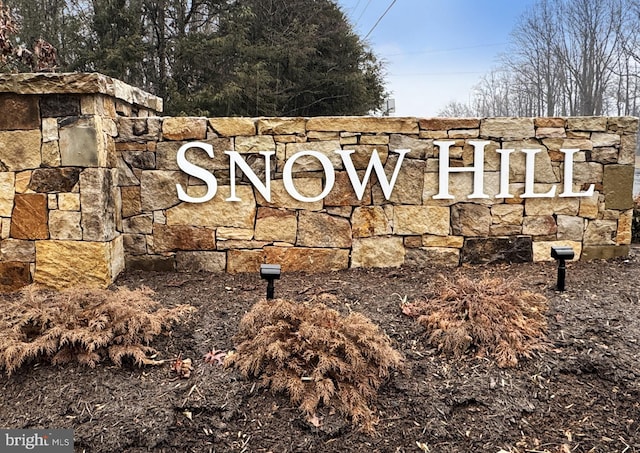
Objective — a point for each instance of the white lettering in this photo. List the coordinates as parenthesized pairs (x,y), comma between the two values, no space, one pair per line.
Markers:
(504,173)
(529,177)
(375,164)
(477,169)
(198,172)
(287,176)
(264,189)
(568,176)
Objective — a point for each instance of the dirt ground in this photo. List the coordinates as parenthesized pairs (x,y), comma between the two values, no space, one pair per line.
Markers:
(582,395)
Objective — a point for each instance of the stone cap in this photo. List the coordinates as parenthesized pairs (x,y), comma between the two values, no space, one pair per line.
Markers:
(78,83)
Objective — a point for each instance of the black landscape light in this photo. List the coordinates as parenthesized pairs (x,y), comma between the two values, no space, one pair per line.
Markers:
(562,254)
(270,272)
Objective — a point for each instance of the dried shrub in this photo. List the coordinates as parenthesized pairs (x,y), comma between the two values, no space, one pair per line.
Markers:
(85,325)
(492,316)
(317,356)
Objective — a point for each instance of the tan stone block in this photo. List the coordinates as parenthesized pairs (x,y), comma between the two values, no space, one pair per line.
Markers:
(65,225)
(276,126)
(542,225)
(318,135)
(158,189)
(182,128)
(624,234)
(225,233)
(52,201)
(255,144)
(505,230)
(587,173)
(604,252)
(51,154)
(182,237)
(240,244)
(464,133)
(310,163)
(7,192)
(432,256)
(139,224)
(600,232)
(98,203)
(167,151)
(29,219)
(412,242)
(363,124)
(628,146)
(362,155)
(551,132)
(434,134)
(64,264)
(542,163)
(378,139)
(570,228)
(542,249)
(280,198)
(605,155)
(322,230)
(589,206)
(507,128)
(470,219)
(370,221)
(584,144)
(5,227)
(17,250)
(443,241)
(618,186)
(408,188)
(296,259)
(201,261)
(20,150)
(507,214)
(587,123)
(340,211)
(419,148)
(244,261)
(378,252)
(343,194)
(549,206)
(217,212)
(421,220)
(276,225)
(50,129)
(623,124)
(443,124)
(231,127)
(549,122)
(131,201)
(604,139)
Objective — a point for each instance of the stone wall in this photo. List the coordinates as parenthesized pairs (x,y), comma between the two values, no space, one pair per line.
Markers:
(59,198)
(89,180)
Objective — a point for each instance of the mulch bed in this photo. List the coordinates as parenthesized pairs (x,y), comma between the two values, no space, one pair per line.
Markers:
(581,395)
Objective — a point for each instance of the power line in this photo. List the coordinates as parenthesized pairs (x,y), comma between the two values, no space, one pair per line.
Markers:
(362,13)
(380,18)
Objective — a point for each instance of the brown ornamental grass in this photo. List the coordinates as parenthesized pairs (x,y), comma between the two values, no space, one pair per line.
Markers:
(317,356)
(491,316)
(83,325)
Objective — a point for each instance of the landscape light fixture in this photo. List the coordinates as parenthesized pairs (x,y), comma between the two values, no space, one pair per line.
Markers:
(270,272)
(562,254)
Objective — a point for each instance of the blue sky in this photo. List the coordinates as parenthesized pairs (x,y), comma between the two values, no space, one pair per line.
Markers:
(436,50)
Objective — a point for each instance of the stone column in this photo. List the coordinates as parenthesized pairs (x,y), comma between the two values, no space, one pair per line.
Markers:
(59,202)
